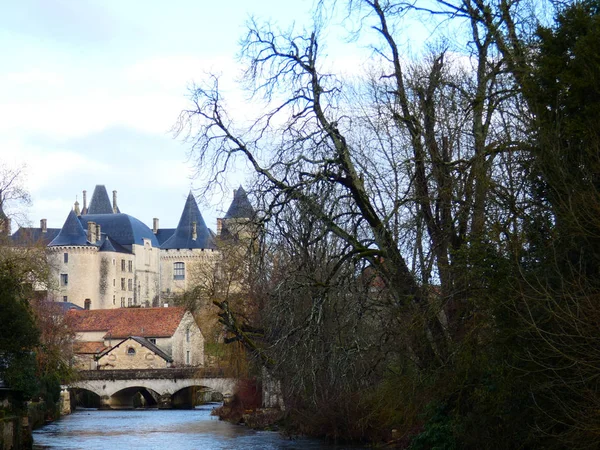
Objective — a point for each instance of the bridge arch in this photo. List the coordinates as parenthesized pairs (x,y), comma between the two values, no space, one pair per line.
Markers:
(168,387)
(134,397)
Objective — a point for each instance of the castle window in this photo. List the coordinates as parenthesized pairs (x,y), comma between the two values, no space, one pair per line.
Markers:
(122,284)
(64,279)
(122,302)
(152,340)
(130,266)
(129,301)
(65,298)
(114,262)
(87,304)
(114,282)
(131,351)
(130,284)
(65,258)
(114,299)
(187,335)
(187,357)
(179,271)
(122,265)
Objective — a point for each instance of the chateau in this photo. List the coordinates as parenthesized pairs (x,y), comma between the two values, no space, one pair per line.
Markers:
(102,258)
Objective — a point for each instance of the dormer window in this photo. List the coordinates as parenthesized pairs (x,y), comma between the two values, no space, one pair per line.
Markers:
(131,351)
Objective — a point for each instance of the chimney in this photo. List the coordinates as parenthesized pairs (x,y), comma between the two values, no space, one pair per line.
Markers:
(234,192)
(91,232)
(155,225)
(219,226)
(85,201)
(98,234)
(194,231)
(115,209)
(43,225)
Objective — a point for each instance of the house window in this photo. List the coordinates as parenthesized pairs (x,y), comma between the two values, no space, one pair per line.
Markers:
(64,279)
(130,284)
(122,302)
(131,351)
(87,304)
(152,340)
(122,284)
(129,301)
(65,258)
(123,265)
(65,299)
(130,266)
(179,271)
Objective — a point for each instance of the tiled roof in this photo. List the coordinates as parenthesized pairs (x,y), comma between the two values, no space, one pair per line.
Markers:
(125,322)
(72,233)
(61,307)
(163,234)
(146,343)
(31,236)
(183,235)
(80,347)
(123,229)
(100,203)
(240,206)
(109,245)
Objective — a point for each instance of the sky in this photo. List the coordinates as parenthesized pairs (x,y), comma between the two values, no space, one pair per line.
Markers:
(91,89)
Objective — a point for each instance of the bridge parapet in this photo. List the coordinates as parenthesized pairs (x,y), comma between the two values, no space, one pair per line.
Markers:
(152,374)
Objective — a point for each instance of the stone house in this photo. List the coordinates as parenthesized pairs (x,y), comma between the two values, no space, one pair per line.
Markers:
(133,353)
(104,338)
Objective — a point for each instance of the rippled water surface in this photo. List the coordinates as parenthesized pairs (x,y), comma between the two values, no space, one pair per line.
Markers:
(158,429)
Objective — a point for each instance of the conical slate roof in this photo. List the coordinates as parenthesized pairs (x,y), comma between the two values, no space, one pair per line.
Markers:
(109,245)
(72,233)
(240,206)
(100,203)
(183,235)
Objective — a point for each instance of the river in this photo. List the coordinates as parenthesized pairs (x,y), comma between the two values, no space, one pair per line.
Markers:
(159,429)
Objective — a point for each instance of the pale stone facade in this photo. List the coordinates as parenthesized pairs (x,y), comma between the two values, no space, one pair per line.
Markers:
(103,259)
(132,354)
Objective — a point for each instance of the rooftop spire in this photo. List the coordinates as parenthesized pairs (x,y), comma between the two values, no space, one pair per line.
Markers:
(100,203)
(190,220)
(72,233)
(240,206)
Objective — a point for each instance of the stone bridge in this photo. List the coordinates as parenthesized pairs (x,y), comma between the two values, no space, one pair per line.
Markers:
(165,388)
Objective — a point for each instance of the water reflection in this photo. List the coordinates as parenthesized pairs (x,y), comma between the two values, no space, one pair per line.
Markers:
(158,429)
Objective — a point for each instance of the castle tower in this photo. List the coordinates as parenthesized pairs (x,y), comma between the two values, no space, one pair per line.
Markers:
(190,250)
(238,221)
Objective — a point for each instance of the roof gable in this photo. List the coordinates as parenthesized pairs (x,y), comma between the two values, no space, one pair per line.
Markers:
(142,341)
(125,322)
